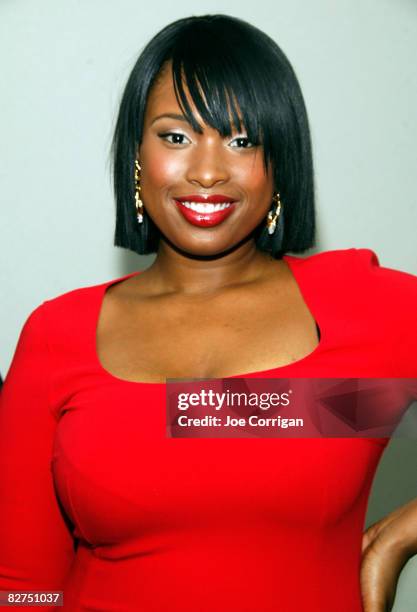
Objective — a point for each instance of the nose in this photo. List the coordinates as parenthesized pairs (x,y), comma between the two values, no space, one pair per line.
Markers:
(207,166)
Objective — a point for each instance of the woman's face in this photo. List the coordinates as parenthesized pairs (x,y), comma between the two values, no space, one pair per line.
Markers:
(177,162)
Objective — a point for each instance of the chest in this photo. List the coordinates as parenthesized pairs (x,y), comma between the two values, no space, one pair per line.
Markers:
(156,339)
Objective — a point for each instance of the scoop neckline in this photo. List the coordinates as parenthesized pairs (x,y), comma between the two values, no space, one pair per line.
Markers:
(291,261)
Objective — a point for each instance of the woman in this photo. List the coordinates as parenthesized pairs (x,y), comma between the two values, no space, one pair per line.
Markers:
(213,172)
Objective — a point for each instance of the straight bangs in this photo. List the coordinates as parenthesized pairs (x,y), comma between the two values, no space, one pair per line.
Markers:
(220,80)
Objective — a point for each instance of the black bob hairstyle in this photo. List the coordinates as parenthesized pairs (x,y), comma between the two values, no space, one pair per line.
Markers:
(228,58)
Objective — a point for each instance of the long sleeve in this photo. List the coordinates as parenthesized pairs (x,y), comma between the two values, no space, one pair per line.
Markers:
(36,545)
(396,291)
(404,351)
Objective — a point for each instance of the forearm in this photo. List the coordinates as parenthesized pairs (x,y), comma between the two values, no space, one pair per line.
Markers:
(402,531)
(387,545)
(396,532)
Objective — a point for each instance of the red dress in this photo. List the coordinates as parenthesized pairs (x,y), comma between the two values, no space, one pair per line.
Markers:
(97,501)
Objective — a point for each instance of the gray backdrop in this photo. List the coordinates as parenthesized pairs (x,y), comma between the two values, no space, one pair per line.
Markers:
(63,67)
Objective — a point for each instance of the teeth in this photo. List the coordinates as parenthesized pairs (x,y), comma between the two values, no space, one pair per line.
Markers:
(205,208)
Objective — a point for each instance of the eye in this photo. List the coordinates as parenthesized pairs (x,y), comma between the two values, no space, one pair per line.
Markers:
(166,135)
(245,140)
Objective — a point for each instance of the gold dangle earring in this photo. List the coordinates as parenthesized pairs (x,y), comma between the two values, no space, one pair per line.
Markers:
(272,217)
(138,201)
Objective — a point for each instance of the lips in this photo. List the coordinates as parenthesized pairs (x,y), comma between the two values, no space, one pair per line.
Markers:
(205,219)
(215,198)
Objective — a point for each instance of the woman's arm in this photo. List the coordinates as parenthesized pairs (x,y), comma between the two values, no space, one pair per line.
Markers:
(387,545)
(36,545)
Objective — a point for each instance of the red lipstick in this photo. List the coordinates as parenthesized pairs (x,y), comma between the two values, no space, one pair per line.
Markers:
(205,218)
(216,198)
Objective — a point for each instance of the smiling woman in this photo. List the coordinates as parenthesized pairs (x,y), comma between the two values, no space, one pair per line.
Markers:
(198,71)
(213,173)
(174,157)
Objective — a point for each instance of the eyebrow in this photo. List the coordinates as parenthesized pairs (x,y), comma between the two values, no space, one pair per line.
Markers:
(170,116)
